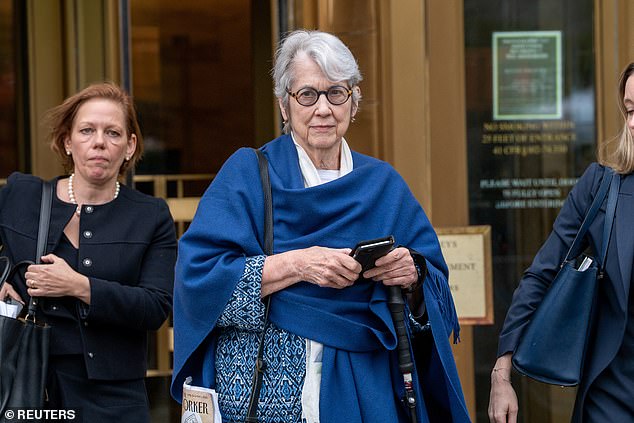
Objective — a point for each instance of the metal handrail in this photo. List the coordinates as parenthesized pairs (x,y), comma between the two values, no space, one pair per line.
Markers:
(160,182)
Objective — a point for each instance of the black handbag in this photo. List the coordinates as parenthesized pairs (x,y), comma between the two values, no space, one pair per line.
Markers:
(553,345)
(24,342)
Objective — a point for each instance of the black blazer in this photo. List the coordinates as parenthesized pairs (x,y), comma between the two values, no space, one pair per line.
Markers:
(127,249)
(611,313)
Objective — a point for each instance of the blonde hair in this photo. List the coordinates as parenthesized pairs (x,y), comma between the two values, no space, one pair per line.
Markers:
(60,120)
(618,153)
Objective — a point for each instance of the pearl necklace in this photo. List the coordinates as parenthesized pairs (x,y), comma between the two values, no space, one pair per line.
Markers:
(71,193)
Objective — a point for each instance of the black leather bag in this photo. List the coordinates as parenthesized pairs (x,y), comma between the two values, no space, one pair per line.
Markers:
(553,345)
(24,342)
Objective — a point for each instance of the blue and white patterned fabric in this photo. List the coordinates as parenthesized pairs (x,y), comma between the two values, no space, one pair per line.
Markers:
(284,355)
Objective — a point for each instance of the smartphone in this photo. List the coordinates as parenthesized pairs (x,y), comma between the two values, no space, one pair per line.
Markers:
(367,252)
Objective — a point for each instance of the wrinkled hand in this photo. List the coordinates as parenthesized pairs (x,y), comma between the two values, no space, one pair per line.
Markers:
(503,405)
(6,290)
(328,267)
(55,278)
(396,268)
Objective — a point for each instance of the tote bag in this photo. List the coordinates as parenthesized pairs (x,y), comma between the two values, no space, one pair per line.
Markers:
(552,347)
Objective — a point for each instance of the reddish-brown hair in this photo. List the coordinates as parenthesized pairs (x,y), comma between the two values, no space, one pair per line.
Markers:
(60,120)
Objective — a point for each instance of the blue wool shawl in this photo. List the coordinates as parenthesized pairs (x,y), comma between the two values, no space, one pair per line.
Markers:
(360,377)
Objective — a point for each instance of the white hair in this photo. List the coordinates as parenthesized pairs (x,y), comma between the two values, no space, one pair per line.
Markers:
(332,56)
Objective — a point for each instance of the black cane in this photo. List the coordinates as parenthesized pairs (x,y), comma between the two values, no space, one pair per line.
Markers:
(396,304)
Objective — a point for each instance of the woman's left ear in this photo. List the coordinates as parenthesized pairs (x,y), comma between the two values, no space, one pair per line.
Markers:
(131,148)
(355,106)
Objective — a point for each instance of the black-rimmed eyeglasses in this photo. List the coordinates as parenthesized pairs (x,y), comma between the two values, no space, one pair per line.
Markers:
(308,96)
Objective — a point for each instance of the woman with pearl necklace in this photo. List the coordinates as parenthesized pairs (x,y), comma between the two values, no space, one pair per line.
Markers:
(106,277)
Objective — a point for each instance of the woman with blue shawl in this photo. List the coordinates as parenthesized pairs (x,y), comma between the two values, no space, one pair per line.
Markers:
(329,341)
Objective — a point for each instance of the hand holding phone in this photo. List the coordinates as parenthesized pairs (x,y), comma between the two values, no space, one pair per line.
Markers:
(368,252)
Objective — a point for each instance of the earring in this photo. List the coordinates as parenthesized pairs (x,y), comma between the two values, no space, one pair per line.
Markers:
(68,152)
(352,119)
(127,159)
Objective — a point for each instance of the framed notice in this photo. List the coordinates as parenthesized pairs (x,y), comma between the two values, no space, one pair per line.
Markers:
(527,75)
(467,251)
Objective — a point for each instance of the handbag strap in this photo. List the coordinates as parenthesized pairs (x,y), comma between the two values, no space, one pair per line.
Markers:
(592,212)
(260,365)
(609,219)
(42,235)
(5,266)
(263,164)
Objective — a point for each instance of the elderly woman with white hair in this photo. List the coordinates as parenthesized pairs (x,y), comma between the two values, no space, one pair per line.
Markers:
(330,345)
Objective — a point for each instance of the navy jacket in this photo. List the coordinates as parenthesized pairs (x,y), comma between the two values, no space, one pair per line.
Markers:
(611,314)
(127,249)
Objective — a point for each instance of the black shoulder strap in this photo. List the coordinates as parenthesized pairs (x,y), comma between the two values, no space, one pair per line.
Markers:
(268,202)
(45,219)
(42,234)
(260,365)
(610,210)
(5,268)
(608,174)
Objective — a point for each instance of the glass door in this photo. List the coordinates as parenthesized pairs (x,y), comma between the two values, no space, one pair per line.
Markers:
(200,80)
(531,131)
